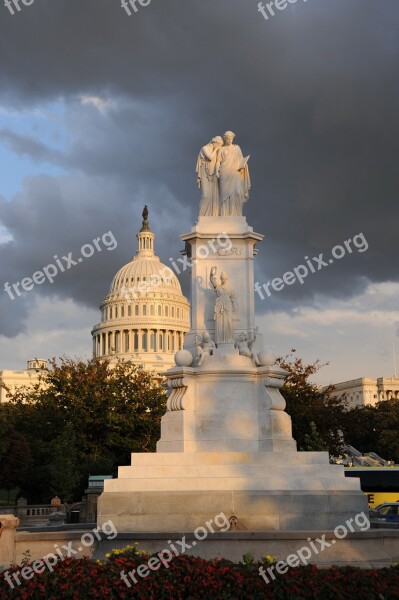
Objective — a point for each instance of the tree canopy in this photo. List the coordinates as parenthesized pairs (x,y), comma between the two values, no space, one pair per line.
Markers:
(83,417)
(322,422)
(317,418)
(375,428)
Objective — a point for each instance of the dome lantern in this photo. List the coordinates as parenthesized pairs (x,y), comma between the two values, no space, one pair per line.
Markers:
(145,237)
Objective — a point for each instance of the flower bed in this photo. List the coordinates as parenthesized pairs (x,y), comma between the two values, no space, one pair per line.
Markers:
(188,577)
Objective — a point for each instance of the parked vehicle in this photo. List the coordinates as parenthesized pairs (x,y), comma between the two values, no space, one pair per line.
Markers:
(387,512)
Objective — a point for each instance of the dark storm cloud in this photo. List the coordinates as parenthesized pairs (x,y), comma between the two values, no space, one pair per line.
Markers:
(24,145)
(312,95)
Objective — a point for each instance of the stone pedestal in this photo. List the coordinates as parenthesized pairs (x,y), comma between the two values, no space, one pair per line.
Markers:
(226,443)
(227,243)
(226,406)
(9,524)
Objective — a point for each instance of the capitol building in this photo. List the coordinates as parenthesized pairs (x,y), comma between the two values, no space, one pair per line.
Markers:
(144,316)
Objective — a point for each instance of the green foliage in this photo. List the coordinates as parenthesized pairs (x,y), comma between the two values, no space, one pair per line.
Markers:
(360,428)
(63,474)
(307,404)
(313,440)
(320,422)
(387,428)
(26,559)
(84,418)
(375,428)
(2,433)
(15,460)
(248,559)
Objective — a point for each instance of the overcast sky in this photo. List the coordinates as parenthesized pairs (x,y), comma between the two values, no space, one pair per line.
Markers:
(102,112)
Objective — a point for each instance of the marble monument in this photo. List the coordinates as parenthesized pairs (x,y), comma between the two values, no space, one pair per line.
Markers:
(226,441)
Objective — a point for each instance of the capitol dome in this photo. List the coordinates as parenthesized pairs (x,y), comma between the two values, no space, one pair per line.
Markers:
(144,316)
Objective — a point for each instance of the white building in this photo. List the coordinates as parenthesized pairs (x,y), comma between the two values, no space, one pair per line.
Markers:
(17,379)
(144,316)
(360,392)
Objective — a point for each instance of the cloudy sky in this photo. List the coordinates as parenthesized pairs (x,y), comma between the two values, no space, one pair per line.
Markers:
(102,112)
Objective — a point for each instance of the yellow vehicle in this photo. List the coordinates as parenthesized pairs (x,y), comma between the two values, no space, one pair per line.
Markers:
(380,484)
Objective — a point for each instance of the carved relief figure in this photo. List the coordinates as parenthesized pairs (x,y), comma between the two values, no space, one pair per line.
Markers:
(251,338)
(224,308)
(244,344)
(205,348)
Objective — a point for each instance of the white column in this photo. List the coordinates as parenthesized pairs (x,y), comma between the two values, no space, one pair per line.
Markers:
(140,346)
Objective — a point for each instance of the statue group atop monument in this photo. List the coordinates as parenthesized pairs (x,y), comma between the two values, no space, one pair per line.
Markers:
(223,176)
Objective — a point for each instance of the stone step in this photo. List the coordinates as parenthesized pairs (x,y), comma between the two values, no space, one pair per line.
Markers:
(270,459)
(227,471)
(274,484)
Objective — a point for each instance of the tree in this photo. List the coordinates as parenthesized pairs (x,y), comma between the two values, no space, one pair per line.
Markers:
(313,440)
(360,428)
(85,418)
(374,428)
(307,404)
(15,460)
(63,472)
(387,429)
(3,430)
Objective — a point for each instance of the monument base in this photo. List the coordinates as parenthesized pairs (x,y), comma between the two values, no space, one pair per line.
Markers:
(226,405)
(226,447)
(259,491)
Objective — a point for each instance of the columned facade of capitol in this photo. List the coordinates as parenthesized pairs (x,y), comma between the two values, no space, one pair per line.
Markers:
(144,316)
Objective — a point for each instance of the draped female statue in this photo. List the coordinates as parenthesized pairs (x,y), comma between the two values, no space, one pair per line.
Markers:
(234,178)
(207,177)
(224,308)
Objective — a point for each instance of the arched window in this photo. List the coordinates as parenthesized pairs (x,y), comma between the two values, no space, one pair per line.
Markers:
(166,311)
(116,312)
(136,310)
(159,310)
(178,312)
(122,311)
(152,310)
(144,310)
(173,311)
(129,311)
(110,312)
